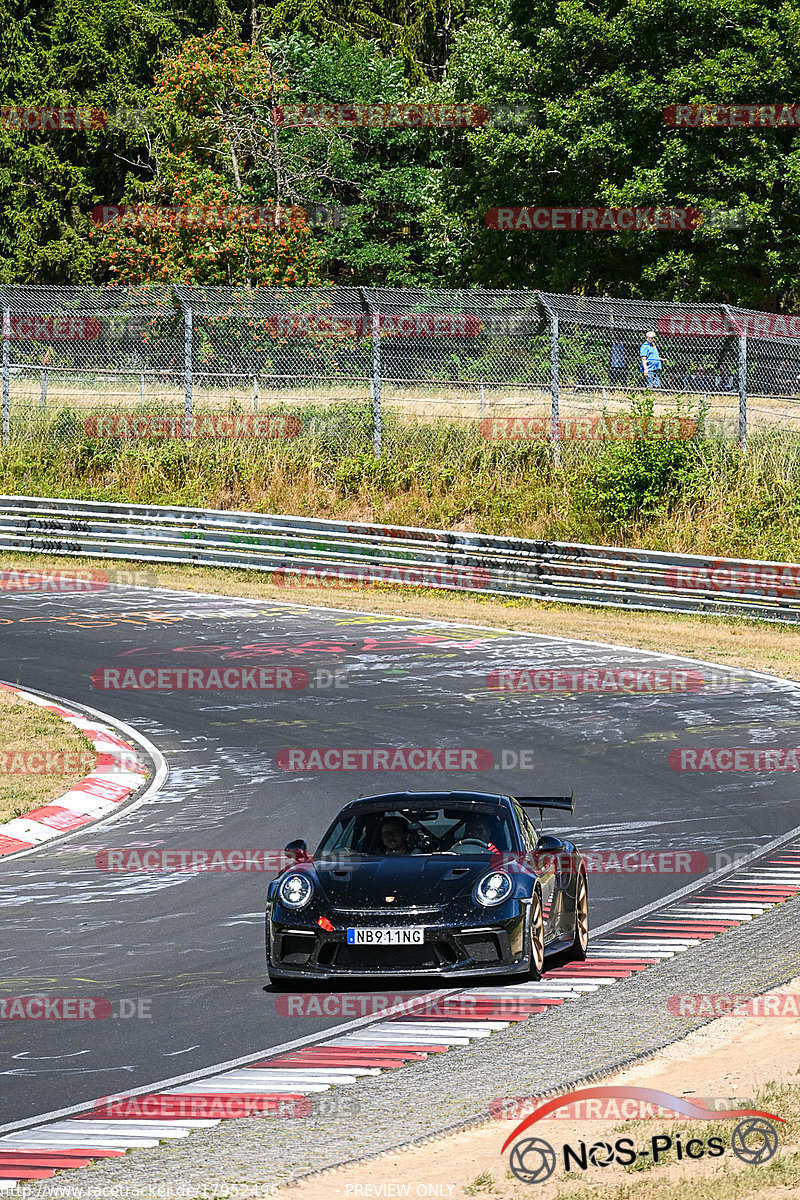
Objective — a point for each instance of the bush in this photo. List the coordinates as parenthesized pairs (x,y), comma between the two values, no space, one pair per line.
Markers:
(642,478)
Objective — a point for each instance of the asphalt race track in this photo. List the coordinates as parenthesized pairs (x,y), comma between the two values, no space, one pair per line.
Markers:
(185,950)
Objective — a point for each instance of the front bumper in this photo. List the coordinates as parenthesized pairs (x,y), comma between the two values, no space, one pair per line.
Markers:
(304,951)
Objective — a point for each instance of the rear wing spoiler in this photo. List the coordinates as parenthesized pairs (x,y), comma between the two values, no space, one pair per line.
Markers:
(564,803)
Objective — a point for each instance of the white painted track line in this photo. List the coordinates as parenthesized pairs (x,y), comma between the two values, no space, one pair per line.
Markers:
(286,1087)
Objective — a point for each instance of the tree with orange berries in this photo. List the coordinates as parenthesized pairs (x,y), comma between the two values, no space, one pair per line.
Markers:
(195,216)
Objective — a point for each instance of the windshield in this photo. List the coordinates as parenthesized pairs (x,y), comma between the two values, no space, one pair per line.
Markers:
(449,829)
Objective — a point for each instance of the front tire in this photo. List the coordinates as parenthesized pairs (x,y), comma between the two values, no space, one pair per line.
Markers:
(580,943)
(536,939)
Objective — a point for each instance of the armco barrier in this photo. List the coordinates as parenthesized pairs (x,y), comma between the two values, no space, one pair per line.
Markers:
(554,571)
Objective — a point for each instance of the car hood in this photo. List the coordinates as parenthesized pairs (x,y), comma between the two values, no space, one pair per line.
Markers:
(412,881)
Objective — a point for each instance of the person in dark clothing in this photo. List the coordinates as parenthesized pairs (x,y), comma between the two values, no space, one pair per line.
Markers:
(618,366)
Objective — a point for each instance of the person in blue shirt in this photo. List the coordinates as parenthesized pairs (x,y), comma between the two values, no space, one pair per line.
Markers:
(651,360)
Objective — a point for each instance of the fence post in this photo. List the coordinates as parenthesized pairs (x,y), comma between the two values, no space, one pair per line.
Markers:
(6,375)
(555,419)
(742,391)
(255,393)
(377,416)
(187,354)
(740,330)
(43,388)
(187,360)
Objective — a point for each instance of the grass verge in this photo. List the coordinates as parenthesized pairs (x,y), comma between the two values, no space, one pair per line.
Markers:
(699,495)
(26,730)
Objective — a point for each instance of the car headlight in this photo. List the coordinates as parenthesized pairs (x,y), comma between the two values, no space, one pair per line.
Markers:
(296,891)
(493,888)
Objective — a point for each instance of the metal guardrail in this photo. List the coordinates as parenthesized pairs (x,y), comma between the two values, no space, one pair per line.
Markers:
(341,552)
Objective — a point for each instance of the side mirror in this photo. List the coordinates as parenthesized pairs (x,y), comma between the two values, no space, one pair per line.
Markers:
(299,849)
(548,842)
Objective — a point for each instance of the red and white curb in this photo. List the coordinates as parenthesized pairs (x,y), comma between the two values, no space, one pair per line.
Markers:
(117,774)
(275,1085)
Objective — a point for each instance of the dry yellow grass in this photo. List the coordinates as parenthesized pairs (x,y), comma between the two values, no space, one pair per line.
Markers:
(422,400)
(26,729)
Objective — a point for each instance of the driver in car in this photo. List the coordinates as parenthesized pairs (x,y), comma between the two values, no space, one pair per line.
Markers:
(394,836)
(479,829)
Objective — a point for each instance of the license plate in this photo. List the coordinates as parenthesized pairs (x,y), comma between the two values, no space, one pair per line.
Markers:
(385,936)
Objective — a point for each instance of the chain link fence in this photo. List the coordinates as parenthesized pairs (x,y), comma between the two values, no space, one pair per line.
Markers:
(360,370)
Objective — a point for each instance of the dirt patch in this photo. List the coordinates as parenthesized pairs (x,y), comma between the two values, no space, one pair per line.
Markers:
(41,756)
(742,1061)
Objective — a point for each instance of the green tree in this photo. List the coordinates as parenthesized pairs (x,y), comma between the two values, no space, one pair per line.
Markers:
(420,32)
(208,115)
(380,176)
(601,75)
(99,56)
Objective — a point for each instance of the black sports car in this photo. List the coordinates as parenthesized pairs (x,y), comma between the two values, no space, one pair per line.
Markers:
(446,883)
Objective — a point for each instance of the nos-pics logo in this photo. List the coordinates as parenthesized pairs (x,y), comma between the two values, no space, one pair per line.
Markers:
(753,1140)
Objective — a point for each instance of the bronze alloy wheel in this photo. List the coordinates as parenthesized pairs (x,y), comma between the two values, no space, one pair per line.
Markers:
(581,918)
(536,939)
